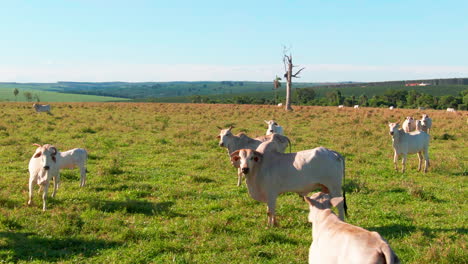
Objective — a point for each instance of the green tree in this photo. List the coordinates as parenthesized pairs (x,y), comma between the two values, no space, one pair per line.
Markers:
(15,92)
(363,100)
(305,95)
(28,96)
(334,98)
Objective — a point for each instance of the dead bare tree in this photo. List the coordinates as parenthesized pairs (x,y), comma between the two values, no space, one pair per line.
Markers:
(288,68)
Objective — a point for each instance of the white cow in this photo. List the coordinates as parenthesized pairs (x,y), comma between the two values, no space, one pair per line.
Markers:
(273,127)
(426,123)
(341,106)
(450,109)
(409,125)
(74,158)
(356,106)
(280,104)
(391,107)
(41,108)
(409,143)
(235,142)
(42,168)
(337,242)
(269,173)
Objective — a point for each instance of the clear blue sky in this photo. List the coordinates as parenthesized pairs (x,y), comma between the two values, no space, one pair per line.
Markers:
(336,40)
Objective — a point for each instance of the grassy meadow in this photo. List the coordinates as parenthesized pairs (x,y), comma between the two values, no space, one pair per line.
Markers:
(161,190)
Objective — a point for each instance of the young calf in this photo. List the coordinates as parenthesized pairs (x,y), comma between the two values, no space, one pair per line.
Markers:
(42,168)
(269,173)
(409,143)
(73,158)
(335,241)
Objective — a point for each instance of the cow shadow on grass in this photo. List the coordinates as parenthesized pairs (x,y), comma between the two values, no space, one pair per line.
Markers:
(398,231)
(29,247)
(136,207)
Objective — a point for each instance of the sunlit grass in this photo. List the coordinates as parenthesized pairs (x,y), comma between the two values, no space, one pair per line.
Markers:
(161,190)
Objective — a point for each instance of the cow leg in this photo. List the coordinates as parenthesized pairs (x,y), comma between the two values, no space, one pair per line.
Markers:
(336,192)
(239,177)
(271,212)
(56,184)
(44,196)
(31,189)
(403,162)
(426,160)
(83,176)
(395,160)
(420,157)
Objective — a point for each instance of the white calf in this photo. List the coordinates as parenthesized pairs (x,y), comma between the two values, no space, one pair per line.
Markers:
(337,242)
(450,109)
(42,168)
(235,142)
(409,125)
(341,106)
(41,108)
(273,127)
(356,106)
(409,143)
(269,173)
(426,123)
(74,158)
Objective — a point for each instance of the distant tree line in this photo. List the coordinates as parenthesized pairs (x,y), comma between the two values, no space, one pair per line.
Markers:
(393,97)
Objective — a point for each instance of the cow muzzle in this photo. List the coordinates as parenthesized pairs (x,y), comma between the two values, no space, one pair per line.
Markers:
(391,133)
(245,170)
(46,167)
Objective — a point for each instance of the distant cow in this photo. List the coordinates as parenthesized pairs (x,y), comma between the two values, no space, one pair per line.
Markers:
(409,125)
(450,109)
(391,107)
(280,104)
(334,241)
(41,108)
(356,106)
(341,106)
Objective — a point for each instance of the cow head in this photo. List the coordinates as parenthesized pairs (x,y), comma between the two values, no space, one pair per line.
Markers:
(393,128)
(224,136)
(246,159)
(321,201)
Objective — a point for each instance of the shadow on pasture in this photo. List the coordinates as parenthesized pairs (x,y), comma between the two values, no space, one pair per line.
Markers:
(355,186)
(396,231)
(399,231)
(136,207)
(275,238)
(7,203)
(29,247)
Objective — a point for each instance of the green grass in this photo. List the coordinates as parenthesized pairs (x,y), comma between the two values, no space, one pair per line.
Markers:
(161,190)
(6,94)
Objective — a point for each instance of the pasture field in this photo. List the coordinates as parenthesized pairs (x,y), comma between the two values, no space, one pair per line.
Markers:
(6,94)
(161,190)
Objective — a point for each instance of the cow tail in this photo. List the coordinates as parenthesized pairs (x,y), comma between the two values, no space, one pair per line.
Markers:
(390,256)
(345,206)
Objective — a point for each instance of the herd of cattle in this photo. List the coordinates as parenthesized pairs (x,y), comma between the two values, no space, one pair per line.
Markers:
(268,172)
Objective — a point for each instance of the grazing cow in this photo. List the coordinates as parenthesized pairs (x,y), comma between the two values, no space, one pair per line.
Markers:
(280,104)
(42,168)
(391,107)
(236,142)
(41,108)
(426,123)
(337,242)
(421,108)
(273,127)
(409,143)
(450,109)
(73,158)
(341,106)
(409,125)
(356,106)
(269,173)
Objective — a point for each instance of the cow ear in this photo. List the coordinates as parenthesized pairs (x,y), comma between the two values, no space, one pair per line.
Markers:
(266,121)
(257,156)
(336,201)
(235,159)
(38,154)
(309,201)
(218,136)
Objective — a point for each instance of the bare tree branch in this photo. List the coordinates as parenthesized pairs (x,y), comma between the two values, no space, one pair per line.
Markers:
(295,75)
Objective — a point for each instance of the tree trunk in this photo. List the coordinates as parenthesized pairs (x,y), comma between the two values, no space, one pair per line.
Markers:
(288,86)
